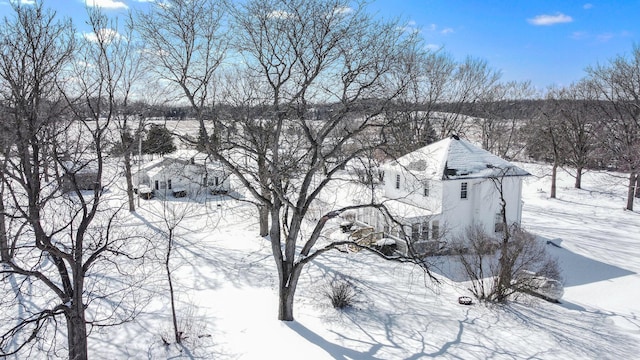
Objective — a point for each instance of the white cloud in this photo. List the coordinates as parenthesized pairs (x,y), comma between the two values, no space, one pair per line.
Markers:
(446,31)
(343,10)
(280,14)
(21,2)
(106,35)
(107,4)
(587,6)
(432,27)
(546,20)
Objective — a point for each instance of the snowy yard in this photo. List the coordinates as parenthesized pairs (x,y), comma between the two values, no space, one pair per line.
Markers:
(226,283)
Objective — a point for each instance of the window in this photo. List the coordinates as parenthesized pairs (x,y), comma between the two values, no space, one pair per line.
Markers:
(499,225)
(415,231)
(463,190)
(169,184)
(398,181)
(156,183)
(435,229)
(217,181)
(425,188)
(425,231)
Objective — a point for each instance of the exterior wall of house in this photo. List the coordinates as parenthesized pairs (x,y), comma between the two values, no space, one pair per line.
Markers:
(193,178)
(481,205)
(403,185)
(452,213)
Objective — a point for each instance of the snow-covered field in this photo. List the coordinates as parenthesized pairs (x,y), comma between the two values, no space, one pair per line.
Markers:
(227,292)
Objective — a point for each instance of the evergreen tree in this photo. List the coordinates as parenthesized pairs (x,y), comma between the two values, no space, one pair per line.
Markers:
(159,141)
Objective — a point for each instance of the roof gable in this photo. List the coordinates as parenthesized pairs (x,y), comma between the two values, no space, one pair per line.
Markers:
(455,158)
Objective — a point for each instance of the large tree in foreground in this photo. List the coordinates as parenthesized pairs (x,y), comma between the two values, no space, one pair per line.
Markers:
(62,238)
(300,54)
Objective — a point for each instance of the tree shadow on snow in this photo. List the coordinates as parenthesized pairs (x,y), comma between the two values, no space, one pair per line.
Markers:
(587,336)
(335,351)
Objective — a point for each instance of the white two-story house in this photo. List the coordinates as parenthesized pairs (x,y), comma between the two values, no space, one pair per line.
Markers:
(438,191)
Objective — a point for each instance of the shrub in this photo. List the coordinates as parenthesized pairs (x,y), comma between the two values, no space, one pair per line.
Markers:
(341,293)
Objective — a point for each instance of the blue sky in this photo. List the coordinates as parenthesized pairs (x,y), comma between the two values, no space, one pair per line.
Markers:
(547,42)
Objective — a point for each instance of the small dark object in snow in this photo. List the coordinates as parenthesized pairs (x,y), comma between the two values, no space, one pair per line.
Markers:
(549,242)
(465,300)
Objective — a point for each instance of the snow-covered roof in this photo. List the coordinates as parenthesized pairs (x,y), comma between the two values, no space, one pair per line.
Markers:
(455,158)
(407,211)
(197,162)
(189,155)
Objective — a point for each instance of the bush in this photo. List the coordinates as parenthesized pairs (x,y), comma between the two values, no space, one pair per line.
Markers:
(341,293)
(495,267)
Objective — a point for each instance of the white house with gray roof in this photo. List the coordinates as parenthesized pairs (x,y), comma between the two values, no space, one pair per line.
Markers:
(443,188)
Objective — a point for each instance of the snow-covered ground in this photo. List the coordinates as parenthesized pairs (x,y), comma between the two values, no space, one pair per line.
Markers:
(227,292)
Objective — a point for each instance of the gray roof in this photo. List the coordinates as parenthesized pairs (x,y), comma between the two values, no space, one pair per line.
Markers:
(455,158)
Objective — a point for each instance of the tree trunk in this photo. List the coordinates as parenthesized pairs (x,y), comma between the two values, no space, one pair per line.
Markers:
(638,186)
(263,214)
(506,259)
(176,330)
(633,179)
(285,304)
(554,173)
(128,177)
(77,333)
(4,242)
(578,184)
(263,211)
(286,294)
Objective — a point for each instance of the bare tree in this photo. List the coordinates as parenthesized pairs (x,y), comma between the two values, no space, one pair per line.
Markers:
(302,54)
(579,122)
(246,127)
(471,81)
(124,62)
(174,212)
(413,112)
(186,44)
(53,178)
(500,115)
(544,136)
(618,83)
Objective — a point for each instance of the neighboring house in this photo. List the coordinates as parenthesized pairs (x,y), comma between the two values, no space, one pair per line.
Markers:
(438,191)
(183,172)
(80,175)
